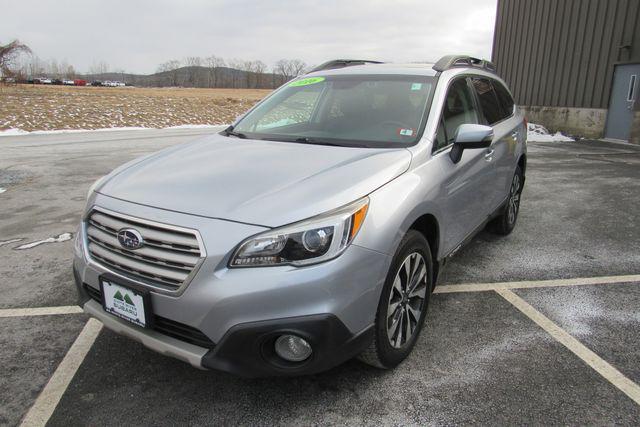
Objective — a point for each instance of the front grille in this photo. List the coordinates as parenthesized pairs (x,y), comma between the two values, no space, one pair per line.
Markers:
(94,293)
(182,332)
(165,326)
(166,261)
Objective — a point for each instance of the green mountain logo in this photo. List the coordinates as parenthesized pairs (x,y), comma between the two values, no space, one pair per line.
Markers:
(118,296)
(128,300)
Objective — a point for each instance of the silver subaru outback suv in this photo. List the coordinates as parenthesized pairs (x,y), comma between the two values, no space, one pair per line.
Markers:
(313,229)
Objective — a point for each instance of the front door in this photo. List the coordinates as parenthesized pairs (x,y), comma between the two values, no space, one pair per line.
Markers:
(624,95)
(467,189)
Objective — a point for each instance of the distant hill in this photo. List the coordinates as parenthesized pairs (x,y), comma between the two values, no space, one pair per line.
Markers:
(223,77)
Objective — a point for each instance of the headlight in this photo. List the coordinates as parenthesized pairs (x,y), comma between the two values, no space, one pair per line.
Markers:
(307,242)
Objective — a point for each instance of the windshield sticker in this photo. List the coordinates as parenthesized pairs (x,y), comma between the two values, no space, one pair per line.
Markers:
(307,81)
(416,86)
(405,132)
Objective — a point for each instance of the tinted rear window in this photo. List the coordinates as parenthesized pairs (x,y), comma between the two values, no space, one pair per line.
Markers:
(505,99)
(489,103)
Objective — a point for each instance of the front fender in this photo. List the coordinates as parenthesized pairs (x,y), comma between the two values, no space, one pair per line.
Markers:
(395,207)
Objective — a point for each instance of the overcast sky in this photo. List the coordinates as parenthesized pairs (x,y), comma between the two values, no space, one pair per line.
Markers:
(137,35)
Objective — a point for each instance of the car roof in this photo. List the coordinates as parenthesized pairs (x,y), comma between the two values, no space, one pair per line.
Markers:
(416,69)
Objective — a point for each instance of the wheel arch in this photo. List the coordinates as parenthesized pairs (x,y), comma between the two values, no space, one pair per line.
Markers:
(522,162)
(427,224)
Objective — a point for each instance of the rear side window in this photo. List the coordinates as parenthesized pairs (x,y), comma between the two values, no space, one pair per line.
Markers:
(489,103)
(504,97)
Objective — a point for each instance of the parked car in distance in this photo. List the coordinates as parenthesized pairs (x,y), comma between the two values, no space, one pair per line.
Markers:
(80,82)
(68,82)
(311,231)
(110,83)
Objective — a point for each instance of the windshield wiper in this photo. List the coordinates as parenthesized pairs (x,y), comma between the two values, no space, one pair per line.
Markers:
(315,141)
(229,132)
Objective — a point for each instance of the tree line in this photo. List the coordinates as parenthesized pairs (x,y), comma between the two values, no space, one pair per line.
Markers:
(214,71)
(17,61)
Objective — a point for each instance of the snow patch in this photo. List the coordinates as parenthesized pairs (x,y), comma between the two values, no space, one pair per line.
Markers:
(13,132)
(16,132)
(194,127)
(538,133)
(8,242)
(2,190)
(58,239)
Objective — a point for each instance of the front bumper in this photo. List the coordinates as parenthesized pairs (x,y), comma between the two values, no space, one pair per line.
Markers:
(240,311)
(248,349)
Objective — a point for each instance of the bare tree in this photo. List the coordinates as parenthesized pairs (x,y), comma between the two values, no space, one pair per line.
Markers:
(9,53)
(213,63)
(249,75)
(122,73)
(171,69)
(52,68)
(99,67)
(287,69)
(192,63)
(33,66)
(236,66)
(297,67)
(259,68)
(281,68)
(66,70)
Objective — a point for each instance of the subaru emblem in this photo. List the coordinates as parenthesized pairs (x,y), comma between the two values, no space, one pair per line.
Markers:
(130,238)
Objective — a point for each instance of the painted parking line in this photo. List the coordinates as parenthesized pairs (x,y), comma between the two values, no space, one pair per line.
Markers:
(40,311)
(50,396)
(528,284)
(598,364)
(47,401)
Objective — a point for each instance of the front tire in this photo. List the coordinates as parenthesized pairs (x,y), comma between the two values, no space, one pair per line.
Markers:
(506,222)
(403,303)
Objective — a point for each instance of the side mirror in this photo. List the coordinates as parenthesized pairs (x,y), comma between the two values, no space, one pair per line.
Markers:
(470,136)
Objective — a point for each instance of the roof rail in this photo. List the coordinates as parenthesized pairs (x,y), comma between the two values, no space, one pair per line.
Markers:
(453,61)
(341,63)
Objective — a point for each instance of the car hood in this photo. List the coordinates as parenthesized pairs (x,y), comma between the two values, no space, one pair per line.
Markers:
(252,181)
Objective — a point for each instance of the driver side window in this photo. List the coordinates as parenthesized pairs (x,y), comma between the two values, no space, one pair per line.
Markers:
(458,109)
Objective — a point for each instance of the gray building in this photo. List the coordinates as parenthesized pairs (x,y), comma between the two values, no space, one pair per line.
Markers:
(573,65)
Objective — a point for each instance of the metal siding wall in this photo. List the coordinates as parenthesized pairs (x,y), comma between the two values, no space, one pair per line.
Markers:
(561,53)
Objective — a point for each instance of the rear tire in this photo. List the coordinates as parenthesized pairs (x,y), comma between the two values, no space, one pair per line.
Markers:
(506,222)
(403,303)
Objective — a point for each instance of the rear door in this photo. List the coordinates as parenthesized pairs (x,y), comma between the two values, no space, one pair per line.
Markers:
(467,191)
(498,111)
(624,96)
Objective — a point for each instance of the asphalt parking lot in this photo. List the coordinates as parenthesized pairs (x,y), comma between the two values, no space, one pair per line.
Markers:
(540,327)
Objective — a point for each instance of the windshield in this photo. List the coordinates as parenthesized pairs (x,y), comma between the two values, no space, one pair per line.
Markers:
(349,110)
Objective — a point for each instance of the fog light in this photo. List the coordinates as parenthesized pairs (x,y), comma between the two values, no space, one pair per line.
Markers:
(293,348)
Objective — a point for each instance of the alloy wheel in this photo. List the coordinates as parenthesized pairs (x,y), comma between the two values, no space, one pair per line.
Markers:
(514,199)
(407,300)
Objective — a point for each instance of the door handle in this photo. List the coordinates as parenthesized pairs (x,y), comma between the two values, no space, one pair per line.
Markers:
(488,156)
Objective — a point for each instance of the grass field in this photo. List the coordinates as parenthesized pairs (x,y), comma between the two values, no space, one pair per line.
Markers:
(39,107)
